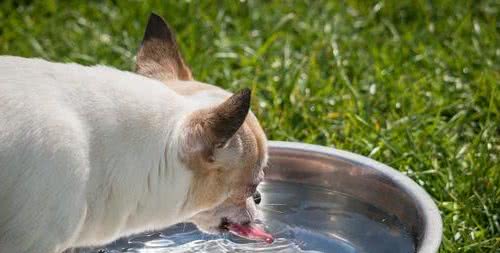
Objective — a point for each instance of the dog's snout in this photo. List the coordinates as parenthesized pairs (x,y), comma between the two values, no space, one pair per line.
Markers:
(257,197)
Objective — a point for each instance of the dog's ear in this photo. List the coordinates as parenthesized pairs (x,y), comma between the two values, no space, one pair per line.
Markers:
(225,119)
(213,127)
(159,56)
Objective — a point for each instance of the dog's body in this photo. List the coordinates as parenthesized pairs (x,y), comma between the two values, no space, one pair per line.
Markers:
(89,154)
(73,140)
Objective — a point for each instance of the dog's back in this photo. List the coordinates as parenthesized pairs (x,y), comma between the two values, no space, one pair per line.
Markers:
(53,118)
(42,150)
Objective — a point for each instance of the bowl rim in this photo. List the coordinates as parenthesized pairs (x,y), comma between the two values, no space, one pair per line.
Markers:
(433,225)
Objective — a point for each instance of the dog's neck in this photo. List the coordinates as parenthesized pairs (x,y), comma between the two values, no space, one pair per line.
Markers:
(153,200)
(137,181)
(168,184)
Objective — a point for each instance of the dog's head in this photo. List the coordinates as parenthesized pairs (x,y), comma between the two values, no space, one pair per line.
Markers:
(228,173)
(223,143)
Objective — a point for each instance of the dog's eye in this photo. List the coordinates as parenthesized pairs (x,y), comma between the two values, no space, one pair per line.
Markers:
(257,197)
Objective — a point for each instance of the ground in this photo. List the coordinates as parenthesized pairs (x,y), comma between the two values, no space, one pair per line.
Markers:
(413,84)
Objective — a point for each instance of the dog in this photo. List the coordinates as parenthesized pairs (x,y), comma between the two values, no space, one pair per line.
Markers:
(91,154)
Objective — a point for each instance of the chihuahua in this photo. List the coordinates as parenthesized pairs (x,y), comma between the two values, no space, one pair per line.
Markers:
(91,154)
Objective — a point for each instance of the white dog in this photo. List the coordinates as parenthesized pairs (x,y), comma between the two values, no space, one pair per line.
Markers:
(90,154)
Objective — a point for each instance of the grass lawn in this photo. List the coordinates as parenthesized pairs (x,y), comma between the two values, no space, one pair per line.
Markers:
(413,84)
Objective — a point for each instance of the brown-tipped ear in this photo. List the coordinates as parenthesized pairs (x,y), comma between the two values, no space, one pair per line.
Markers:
(159,56)
(220,123)
(227,118)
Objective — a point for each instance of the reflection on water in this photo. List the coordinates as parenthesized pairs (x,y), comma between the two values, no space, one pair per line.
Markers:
(302,218)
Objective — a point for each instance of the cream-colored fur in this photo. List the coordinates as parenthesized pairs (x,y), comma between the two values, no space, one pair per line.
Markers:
(87,154)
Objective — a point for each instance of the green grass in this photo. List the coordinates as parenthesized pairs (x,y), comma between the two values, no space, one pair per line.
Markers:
(414,84)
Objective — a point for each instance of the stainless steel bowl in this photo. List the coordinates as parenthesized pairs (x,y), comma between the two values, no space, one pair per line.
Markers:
(364,179)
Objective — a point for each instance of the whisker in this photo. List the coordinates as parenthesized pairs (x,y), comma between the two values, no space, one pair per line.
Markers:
(272,210)
(250,216)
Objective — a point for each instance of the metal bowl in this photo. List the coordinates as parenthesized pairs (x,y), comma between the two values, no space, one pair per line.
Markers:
(364,179)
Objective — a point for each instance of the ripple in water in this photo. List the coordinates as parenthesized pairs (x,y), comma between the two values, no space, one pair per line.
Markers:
(302,218)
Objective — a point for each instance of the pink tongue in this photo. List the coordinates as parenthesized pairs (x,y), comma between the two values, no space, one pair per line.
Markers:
(250,232)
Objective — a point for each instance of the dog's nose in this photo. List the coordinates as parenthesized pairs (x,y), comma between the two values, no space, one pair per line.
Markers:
(257,197)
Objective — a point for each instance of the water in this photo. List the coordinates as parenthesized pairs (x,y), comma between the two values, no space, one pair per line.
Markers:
(302,218)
